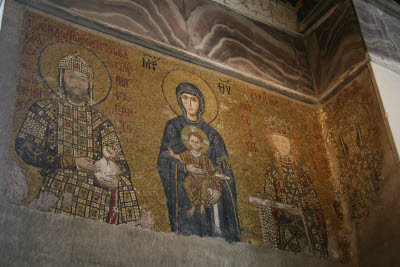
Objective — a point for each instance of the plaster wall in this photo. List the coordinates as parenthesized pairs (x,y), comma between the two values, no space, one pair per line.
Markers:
(1,12)
(388,83)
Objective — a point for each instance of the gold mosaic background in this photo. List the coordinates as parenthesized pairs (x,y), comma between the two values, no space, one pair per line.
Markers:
(139,111)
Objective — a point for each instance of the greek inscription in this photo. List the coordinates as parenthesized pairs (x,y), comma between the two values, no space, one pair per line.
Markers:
(21,103)
(33,38)
(29,77)
(27,65)
(39,25)
(124,67)
(263,99)
(28,51)
(123,111)
(122,82)
(29,92)
(149,62)
(224,86)
(25,95)
(252,146)
(245,107)
(245,120)
(126,128)
(122,96)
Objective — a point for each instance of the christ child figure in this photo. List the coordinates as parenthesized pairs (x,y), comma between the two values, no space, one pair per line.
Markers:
(196,185)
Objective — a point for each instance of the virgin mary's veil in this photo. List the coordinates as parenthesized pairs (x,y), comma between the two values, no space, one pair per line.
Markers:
(188,88)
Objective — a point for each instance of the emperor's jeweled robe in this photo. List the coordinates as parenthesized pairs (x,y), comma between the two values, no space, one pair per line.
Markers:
(55,132)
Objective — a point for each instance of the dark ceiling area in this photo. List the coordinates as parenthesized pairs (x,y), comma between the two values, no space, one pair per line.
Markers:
(303,7)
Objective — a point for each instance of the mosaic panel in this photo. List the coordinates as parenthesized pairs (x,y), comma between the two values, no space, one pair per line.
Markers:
(354,137)
(117,133)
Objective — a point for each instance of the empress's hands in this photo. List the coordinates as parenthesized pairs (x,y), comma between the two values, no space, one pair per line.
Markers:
(194,169)
(213,196)
(86,163)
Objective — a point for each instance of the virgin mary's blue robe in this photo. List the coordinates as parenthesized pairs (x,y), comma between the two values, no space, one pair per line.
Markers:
(173,172)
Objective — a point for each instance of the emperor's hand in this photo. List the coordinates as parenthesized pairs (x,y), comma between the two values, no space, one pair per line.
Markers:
(86,163)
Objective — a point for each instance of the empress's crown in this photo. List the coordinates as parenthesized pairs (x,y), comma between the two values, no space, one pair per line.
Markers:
(277,125)
(75,62)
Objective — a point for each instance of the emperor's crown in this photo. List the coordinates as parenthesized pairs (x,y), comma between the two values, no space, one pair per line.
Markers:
(75,62)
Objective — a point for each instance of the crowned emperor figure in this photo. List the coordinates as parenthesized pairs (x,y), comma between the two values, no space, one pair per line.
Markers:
(65,137)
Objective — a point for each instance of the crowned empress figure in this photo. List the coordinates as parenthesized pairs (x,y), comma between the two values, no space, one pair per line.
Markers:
(287,183)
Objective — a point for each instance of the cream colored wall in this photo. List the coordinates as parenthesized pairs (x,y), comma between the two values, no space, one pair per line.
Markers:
(1,11)
(388,82)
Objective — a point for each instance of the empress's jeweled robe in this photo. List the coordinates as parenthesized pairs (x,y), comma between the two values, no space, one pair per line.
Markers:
(55,132)
(296,233)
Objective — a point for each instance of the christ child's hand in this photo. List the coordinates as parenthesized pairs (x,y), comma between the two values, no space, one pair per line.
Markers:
(213,196)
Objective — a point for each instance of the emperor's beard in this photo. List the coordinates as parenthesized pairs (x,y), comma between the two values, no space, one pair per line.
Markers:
(77,98)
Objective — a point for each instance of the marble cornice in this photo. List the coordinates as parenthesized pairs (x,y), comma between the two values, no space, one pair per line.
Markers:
(280,58)
(286,62)
(380,25)
(389,7)
(271,12)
